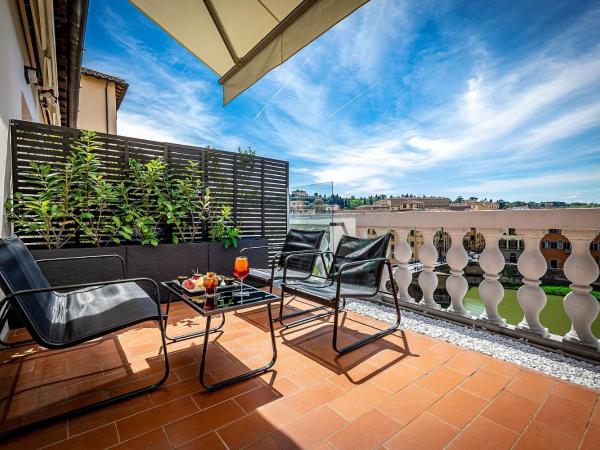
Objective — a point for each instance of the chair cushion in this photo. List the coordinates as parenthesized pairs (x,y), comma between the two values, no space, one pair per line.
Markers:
(264,275)
(78,316)
(327,291)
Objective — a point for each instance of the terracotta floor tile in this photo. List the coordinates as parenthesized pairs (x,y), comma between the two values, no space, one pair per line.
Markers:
(154,440)
(103,416)
(407,404)
(447,349)
(467,362)
(458,407)
(176,390)
(482,433)
(188,428)
(576,393)
(539,436)
(427,361)
(310,429)
(396,377)
(596,414)
(564,415)
(366,432)
(312,397)
(245,431)
(38,438)
(531,385)
(359,401)
(310,375)
(511,410)
(591,440)
(257,397)
(209,441)
(441,380)
(206,399)
(156,417)
(502,367)
(425,432)
(98,438)
(485,383)
(276,413)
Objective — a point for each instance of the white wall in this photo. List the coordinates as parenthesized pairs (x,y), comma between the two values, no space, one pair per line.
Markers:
(13,90)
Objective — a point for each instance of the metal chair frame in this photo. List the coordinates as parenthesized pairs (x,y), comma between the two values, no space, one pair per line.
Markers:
(5,305)
(335,305)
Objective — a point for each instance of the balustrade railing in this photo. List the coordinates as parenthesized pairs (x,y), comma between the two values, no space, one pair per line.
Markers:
(580,226)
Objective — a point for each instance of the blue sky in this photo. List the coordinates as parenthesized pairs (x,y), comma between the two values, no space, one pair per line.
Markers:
(491,99)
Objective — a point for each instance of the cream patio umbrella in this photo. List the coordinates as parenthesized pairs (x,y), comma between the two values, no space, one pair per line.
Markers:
(242,40)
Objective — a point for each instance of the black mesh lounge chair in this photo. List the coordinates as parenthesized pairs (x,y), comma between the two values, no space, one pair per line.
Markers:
(63,316)
(300,267)
(355,272)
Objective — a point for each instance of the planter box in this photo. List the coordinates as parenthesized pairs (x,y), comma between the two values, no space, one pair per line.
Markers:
(87,271)
(162,263)
(221,259)
(166,261)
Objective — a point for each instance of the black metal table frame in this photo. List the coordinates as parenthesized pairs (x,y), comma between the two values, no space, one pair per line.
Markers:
(206,333)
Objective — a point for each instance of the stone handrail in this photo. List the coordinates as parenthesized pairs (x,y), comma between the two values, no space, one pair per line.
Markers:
(580,226)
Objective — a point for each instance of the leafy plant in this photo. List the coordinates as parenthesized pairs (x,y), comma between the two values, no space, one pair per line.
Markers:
(94,196)
(222,227)
(142,196)
(47,209)
(187,205)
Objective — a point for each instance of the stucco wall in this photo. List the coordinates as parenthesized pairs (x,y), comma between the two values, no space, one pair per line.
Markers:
(14,92)
(92,105)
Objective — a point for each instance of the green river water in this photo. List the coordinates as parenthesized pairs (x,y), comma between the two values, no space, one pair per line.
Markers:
(553,316)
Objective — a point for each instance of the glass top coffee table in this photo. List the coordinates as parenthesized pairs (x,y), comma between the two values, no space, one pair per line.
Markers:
(224,303)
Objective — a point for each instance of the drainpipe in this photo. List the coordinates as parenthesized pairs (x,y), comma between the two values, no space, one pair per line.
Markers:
(106,105)
(78,10)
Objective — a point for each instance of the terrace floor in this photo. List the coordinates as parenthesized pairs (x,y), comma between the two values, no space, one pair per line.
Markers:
(405,391)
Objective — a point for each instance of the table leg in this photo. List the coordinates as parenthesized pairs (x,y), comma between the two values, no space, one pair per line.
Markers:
(183,337)
(244,376)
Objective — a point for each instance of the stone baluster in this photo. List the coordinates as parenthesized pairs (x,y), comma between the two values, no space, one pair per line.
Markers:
(403,275)
(531,297)
(428,280)
(457,259)
(491,291)
(581,307)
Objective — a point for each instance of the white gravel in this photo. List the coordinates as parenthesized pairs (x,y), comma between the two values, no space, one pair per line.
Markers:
(498,346)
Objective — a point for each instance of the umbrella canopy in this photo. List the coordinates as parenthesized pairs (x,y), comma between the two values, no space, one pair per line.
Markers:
(242,40)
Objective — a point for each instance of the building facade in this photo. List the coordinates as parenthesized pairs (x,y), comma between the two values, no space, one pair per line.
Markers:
(100,97)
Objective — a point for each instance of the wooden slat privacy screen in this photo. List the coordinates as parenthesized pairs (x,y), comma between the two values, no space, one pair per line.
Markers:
(255,187)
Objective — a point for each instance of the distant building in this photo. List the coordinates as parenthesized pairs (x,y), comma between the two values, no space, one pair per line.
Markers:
(298,206)
(400,204)
(477,205)
(100,97)
(511,245)
(299,193)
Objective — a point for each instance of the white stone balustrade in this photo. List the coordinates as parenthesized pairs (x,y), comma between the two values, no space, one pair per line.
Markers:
(532,265)
(490,289)
(402,254)
(581,307)
(580,226)
(428,280)
(457,259)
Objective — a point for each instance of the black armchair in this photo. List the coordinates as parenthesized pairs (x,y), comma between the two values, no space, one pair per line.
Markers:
(355,272)
(59,317)
(297,242)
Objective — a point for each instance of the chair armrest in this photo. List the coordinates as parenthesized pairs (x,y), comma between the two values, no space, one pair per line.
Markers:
(70,258)
(303,253)
(347,265)
(245,249)
(12,295)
